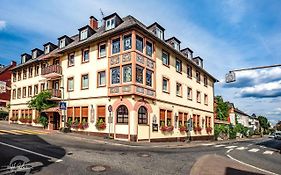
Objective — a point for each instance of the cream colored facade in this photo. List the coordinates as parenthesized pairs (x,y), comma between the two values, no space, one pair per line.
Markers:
(132,95)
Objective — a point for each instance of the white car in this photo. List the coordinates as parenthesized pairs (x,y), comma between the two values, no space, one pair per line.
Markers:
(277,136)
(271,135)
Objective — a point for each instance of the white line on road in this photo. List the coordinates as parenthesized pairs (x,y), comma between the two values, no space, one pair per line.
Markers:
(217,146)
(242,148)
(207,144)
(262,147)
(229,150)
(269,172)
(229,147)
(268,152)
(250,144)
(254,150)
(38,154)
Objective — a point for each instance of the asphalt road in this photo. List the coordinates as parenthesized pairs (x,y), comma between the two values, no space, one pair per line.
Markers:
(57,153)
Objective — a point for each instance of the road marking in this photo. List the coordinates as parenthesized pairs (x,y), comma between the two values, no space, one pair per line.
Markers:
(230,147)
(207,144)
(268,152)
(262,147)
(269,172)
(229,150)
(242,148)
(25,132)
(53,159)
(9,132)
(254,150)
(33,132)
(219,146)
(250,144)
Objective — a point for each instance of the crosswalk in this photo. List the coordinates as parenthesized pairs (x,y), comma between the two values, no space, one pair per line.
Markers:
(22,132)
(260,149)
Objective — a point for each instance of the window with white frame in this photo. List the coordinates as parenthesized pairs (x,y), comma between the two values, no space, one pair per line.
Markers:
(102,50)
(198,76)
(205,99)
(85,55)
(83,34)
(165,58)
(110,23)
(189,93)
(70,84)
(179,89)
(165,85)
(62,43)
(101,78)
(47,49)
(205,80)
(159,33)
(189,71)
(85,81)
(198,96)
(178,65)
(70,60)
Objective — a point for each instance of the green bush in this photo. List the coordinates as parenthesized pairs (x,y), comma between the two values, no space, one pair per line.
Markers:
(44,121)
(3,114)
(232,132)
(220,129)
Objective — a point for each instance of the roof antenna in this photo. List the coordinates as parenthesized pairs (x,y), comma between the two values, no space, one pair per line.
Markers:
(102,15)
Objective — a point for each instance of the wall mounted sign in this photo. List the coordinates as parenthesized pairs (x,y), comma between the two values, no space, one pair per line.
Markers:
(154,127)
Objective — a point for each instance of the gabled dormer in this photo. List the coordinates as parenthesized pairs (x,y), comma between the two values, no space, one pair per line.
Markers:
(36,53)
(112,21)
(85,32)
(198,60)
(187,52)
(25,57)
(49,47)
(174,42)
(64,41)
(157,29)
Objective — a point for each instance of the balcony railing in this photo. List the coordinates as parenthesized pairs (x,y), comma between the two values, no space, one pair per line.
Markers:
(55,93)
(52,71)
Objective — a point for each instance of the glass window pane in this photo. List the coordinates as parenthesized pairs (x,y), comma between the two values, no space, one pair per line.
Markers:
(127,73)
(139,74)
(102,50)
(148,48)
(127,42)
(139,43)
(148,78)
(115,75)
(116,46)
(86,55)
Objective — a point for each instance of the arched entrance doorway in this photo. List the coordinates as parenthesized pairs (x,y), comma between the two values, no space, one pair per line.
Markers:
(143,124)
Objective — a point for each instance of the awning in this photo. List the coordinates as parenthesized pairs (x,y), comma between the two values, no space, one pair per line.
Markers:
(52,109)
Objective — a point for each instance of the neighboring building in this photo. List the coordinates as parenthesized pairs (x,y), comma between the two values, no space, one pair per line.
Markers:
(254,123)
(242,117)
(148,81)
(5,85)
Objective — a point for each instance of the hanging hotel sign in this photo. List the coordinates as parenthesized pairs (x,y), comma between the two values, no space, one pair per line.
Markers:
(2,86)
(230,77)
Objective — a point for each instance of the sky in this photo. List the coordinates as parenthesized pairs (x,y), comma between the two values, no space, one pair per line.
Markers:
(228,35)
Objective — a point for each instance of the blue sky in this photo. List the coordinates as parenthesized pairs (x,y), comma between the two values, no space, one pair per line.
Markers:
(227,34)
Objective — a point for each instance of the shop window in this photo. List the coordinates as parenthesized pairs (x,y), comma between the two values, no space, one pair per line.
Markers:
(162,117)
(69,113)
(85,113)
(101,113)
(122,114)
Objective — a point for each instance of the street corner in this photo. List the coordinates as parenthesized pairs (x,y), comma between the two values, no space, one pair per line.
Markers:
(214,164)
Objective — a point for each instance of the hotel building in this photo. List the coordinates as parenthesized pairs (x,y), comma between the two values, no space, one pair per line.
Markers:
(151,85)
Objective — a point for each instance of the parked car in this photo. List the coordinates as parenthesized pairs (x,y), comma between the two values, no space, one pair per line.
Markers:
(271,135)
(277,136)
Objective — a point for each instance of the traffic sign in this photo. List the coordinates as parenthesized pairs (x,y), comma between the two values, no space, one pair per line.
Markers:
(109,108)
(62,105)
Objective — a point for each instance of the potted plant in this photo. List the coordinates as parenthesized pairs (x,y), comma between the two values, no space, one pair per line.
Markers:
(168,128)
(29,119)
(100,125)
(75,124)
(85,124)
(182,128)
(69,123)
(209,129)
(23,119)
(14,119)
(197,129)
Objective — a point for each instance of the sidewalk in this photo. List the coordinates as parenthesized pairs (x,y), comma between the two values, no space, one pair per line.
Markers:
(219,165)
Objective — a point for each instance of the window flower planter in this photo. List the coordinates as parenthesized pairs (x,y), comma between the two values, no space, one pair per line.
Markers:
(23,120)
(29,119)
(14,119)
(183,129)
(197,129)
(209,129)
(167,128)
(100,125)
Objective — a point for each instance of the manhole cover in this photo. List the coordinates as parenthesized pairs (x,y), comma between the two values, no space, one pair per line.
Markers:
(143,155)
(98,168)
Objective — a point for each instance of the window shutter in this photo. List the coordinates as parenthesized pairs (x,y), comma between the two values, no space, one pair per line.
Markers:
(23,113)
(185,117)
(70,112)
(101,111)
(85,111)
(180,116)
(162,114)
(76,111)
(169,114)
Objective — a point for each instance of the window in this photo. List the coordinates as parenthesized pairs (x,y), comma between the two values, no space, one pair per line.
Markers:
(47,49)
(179,89)
(176,45)
(14,77)
(198,76)
(165,85)
(178,65)
(84,113)
(139,74)
(198,96)
(42,87)
(165,58)
(110,24)
(24,73)
(34,54)
(19,75)
(149,78)
(142,115)
(162,117)
(56,62)
(127,42)
(85,81)
(169,118)
(83,34)
(206,99)
(115,75)
(127,73)
(149,48)
(62,43)
(122,114)
(116,46)
(139,43)
(159,33)
(29,91)
(19,93)
(205,80)
(30,72)
(102,50)
(37,67)
(23,92)
(14,93)
(101,113)
(85,56)
(35,89)
(101,79)
(70,84)
(70,60)
(189,93)
(189,71)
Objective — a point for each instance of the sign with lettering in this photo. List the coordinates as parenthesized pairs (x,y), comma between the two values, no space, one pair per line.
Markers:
(154,127)
(2,86)
(109,108)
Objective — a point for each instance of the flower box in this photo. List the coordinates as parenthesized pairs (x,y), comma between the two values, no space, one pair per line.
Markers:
(197,129)
(101,126)
(209,129)
(167,128)
(182,128)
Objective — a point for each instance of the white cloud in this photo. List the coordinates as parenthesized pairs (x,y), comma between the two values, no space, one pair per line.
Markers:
(234,10)
(2,24)
(277,111)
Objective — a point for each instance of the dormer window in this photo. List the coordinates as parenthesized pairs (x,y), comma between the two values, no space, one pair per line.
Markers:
(176,46)
(62,43)
(47,49)
(159,33)
(23,59)
(157,29)
(34,54)
(110,23)
(84,34)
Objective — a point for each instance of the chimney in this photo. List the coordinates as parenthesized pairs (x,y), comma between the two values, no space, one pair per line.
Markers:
(93,22)
(13,63)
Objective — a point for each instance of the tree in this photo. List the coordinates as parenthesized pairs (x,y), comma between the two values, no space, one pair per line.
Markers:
(263,122)
(41,101)
(222,109)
